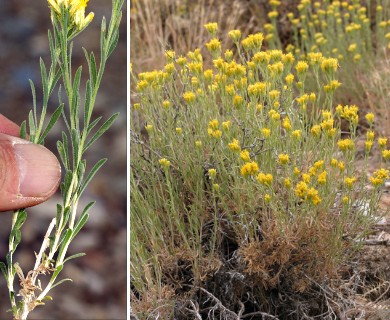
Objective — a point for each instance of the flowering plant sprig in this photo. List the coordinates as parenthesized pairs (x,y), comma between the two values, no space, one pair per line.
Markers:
(68,19)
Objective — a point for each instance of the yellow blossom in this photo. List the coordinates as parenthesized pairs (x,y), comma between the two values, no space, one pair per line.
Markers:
(315,130)
(253,41)
(287,182)
(212,173)
(382,142)
(235,35)
(329,65)
(216,134)
(370,117)
(164,163)
(301,189)
(249,168)
(267,198)
(238,101)
(198,144)
(76,10)
(234,145)
(349,181)
(273,14)
(245,156)
(386,154)
(321,179)
(216,187)
(265,179)
(289,78)
(370,135)
(226,125)
(213,124)
(214,45)
(266,132)
(296,134)
(283,158)
(312,194)
(296,171)
(306,177)
(286,124)
(189,96)
(379,176)
(274,94)
(301,67)
(345,144)
(179,130)
(211,27)
(166,104)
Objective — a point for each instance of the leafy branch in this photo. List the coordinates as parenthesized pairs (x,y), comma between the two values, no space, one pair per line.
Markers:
(81,133)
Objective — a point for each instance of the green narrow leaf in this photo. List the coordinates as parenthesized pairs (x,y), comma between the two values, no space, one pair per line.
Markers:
(67,182)
(34,94)
(58,215)
(56,273)
(87,103)
(74,256)
(113,44)
(79,225)
(3,268)
(57,77)
(61,281)
(81,170)
(53,119)
(64,242)
(23,130)
(105,126)
(93,124)
(66,216)
(51,46)
(82,220)
(45,86)
(21,218)
(93,68)
(75,140)
(62,153)
(91,174)
(91,65)
(31,125)
(9,262)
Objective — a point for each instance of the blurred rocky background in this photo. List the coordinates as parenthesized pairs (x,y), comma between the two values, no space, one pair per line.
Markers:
(98,290)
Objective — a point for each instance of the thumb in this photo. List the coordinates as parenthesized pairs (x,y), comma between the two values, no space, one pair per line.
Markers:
(29,173)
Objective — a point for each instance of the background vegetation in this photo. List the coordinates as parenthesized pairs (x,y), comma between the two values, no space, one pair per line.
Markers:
(255,179)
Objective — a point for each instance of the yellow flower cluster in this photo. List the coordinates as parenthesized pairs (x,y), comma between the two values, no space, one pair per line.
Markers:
(234,146)
(164,163)
(349,113)
(379,177)
(213,130)
(253,42)
(345,144)
(76,11)
(249,168)
(302,191)
(265,179)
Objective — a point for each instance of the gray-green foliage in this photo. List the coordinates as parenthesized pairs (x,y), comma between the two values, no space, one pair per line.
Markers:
(82,130)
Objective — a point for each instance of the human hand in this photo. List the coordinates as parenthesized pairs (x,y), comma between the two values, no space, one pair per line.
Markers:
(29,173)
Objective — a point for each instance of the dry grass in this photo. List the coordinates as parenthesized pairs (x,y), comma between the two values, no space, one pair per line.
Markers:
(157,25)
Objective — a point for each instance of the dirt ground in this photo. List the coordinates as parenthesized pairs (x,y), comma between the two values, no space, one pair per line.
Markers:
(98,290)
